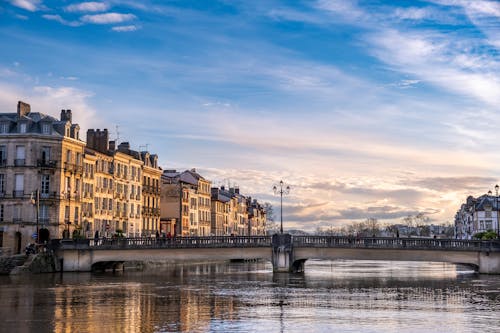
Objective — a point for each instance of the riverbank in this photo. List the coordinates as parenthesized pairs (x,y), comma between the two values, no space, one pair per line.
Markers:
(43,262)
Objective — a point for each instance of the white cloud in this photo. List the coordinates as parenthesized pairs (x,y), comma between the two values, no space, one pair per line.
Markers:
(439,60)
(125,28)
(59,19)
(108,18)
(30,5)
(88,7)
(411,13)
(50,100)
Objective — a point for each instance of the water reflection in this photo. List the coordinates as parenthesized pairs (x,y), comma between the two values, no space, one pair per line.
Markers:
(241,297)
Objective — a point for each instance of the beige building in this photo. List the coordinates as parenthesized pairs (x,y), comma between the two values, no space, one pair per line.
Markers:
(235,214)
(220,211)
(256,218)
(126,182)
(151,195)
(185,199)
(39,153)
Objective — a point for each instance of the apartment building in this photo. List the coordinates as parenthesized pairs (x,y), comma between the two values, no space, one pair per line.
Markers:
(477,215)
(44,155)
(185,198)
(126,182)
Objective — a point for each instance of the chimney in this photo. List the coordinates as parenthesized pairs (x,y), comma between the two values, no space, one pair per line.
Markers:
(237,190)
(23,109)
(112,145)
(124,146)
(66,115)
(98,140)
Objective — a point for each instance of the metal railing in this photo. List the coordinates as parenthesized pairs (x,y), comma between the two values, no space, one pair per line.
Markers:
(395,243)
(172,242)
(297,242)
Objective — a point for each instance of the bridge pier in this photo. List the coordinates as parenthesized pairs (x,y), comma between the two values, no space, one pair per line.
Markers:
(489,262)
(282,257)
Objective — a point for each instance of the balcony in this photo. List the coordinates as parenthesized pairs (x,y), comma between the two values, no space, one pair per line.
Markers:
(48,195)
(18,194)
(43,220)
(46,164)
(20,162)
(73,168)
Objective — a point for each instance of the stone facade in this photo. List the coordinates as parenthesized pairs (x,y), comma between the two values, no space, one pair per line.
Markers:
(477,215)
(41,160)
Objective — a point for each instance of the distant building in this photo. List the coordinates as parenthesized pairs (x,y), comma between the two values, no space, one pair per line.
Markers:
(185,198)
(477,215)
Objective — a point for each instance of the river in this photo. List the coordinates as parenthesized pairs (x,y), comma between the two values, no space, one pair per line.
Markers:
(331,296)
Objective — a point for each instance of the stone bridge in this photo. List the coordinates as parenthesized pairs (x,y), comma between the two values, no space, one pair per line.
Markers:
(287,253)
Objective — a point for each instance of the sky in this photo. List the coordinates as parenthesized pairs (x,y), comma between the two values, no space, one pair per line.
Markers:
(366,109)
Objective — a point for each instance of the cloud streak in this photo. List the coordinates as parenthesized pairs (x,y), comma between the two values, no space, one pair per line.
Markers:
(59,19)
(108,18)
(87,7)
(29,5)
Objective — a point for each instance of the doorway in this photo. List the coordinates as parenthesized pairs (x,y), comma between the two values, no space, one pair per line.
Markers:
(17,242)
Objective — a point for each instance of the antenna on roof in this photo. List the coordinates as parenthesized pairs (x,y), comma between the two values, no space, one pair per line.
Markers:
(117,134)
(145,146)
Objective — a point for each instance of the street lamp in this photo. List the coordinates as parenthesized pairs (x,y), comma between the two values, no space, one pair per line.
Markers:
(278,189)
(496,192)
(35,200)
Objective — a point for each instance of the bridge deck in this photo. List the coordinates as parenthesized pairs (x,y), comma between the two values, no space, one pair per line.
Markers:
(297,242)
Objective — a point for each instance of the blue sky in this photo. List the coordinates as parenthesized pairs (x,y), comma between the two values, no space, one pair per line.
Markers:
(366,108)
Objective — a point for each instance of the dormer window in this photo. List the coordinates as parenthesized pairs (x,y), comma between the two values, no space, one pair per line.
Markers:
(22,128)
(45,128)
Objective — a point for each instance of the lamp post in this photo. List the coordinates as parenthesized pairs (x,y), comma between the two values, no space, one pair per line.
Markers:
(35,200)
(280,189)
(496,208)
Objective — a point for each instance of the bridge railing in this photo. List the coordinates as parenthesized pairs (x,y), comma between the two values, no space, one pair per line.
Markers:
(181,242)
(395,243)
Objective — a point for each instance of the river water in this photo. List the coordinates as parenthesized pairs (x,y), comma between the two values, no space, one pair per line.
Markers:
(331,296)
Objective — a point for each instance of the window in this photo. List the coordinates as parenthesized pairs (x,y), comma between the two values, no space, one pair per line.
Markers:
(44,214)
(45,154)
(2,184)
(22,128)
(20,155)
(77,215)
(3,155)
(4,127)
(17,213)
(45,185)
(2,211)
(77,186)
(46,128)
(66,214)
(19,185)
(67,185)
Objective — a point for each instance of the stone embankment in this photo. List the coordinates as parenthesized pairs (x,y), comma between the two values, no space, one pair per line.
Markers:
(22,264)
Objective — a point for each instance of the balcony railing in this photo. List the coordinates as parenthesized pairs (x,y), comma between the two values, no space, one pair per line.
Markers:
(18,194)
(47,164)
(43,220)
(20,162)
(73,168)
(48,195)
